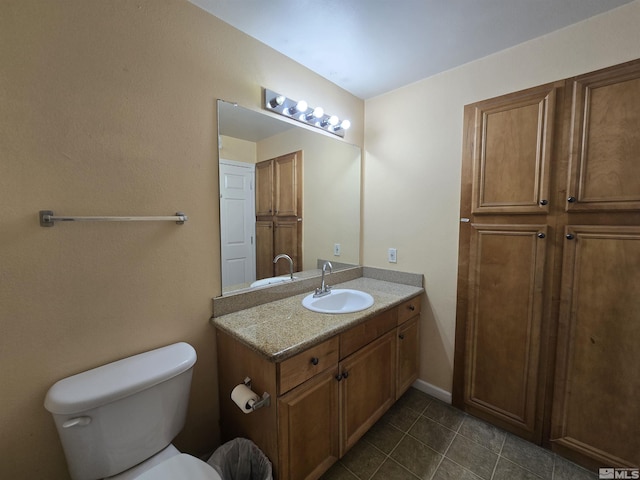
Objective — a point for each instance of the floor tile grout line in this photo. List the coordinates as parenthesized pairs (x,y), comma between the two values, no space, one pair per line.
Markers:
(405,435)
(533,446)
(444,454)
(495,467)
(386,455)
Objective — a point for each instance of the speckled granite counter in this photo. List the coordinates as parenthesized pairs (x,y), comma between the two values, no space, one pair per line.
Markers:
(282,328)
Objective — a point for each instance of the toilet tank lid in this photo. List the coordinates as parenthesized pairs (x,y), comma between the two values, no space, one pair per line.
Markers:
(119,379)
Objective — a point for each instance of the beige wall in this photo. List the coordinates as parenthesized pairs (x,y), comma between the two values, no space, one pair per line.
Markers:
(412,163)
(238,150)
(109,108)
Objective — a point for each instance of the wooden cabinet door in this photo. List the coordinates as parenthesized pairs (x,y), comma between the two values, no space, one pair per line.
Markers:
(287,240)
(286,185)
(408,354)
(596,406)
(264,188)
(308,428)
(367,388)
(264,249)
(604,169)
(504,318)
(512,146)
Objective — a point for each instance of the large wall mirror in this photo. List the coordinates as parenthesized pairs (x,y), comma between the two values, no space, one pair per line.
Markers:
(311,186)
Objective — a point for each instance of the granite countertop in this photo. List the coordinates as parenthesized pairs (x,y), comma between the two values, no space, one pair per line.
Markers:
(283,328)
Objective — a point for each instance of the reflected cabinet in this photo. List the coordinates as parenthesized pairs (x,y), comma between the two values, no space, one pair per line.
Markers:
(548,317)
(278,214)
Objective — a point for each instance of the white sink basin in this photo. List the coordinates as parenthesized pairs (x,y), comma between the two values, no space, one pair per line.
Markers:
(272,280)
(340,300)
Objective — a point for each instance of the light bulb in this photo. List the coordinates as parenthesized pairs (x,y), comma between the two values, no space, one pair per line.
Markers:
(277,101)
(318,112)
(342,126)
(301,106)
(333,120)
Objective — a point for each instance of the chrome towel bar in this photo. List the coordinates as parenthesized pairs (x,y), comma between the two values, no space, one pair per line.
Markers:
(47,219)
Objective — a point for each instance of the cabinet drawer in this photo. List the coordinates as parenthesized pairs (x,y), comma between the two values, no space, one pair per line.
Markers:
(366,332)
(409,309)
(295,370)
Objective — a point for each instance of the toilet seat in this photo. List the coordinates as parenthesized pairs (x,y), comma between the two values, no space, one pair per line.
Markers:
(181,466)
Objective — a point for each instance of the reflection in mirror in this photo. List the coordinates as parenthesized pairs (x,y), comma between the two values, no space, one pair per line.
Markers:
(284,189)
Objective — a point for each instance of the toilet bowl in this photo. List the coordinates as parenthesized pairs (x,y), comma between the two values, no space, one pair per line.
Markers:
(169,464)
(180,466)
(117,421)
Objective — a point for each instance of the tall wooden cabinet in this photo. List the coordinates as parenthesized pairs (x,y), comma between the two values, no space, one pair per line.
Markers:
(549,266)
(506,248)
(278,214)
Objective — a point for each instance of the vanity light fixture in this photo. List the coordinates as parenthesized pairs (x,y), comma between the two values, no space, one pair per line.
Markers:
(299,110)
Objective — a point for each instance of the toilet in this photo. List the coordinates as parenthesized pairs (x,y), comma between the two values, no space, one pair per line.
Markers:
(117,421)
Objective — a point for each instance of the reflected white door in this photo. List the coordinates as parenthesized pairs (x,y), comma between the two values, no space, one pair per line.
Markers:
(237,222)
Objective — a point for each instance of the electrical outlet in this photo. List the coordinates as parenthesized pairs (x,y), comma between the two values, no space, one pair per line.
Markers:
(336,249)
(393,255)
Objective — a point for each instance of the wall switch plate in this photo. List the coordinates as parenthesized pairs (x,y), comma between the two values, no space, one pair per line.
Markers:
(393,255)
(336,249)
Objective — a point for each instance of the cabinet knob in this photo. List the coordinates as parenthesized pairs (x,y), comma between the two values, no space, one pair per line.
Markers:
(541,235)
(401,336)
(345,374)
(412,308)
(315,360)
(544,202)
(571,199)
(569,236)
(339,377)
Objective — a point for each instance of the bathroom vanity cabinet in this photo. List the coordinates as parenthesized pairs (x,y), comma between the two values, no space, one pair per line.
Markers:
(326,397)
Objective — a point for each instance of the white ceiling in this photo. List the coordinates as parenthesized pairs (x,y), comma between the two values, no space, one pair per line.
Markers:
(369,47)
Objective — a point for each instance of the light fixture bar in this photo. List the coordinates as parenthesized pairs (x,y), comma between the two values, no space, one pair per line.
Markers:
(300,111)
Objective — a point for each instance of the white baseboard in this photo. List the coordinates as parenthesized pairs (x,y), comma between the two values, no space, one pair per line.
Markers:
(432,390)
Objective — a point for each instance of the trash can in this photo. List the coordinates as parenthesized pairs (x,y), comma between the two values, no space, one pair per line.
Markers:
(241,459)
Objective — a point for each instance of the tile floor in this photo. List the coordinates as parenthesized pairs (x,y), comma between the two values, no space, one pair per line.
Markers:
(423,438)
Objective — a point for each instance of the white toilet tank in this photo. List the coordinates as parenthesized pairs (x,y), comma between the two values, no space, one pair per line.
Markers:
(118,415)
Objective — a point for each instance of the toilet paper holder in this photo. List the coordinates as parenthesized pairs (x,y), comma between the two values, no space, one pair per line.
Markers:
(266,398)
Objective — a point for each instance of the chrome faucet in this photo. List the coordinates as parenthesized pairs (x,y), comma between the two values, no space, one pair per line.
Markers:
(324,288)
(284,255)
